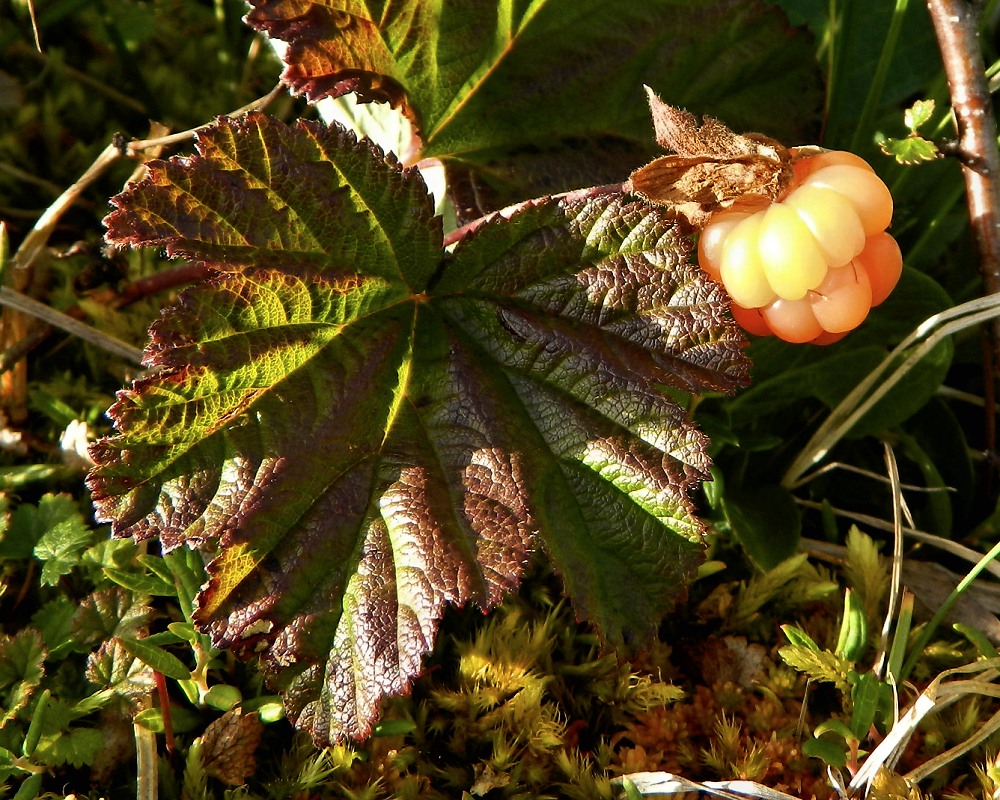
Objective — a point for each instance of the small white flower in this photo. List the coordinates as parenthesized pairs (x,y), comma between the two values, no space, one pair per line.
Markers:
(73,445)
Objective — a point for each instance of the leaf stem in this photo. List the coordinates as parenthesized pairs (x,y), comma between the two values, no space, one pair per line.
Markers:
(573,195)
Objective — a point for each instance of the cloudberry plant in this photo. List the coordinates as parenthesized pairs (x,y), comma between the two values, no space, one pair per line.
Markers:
(808,266)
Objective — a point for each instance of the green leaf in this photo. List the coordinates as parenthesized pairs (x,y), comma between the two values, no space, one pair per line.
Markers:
(799,637)
(54,620)
(852,641)
(181,719)
(917,115)
(911,150)
(766,521)
(56,515)
(77,747)
(865,696)
(141,583)
(113,668)
(223,696)
(818,665)
(7,758)
(22,665)
(866,573)
(830,752)
(370,427)
(111,612)
(60,549)
(108,552)
(483,81)
(157,658)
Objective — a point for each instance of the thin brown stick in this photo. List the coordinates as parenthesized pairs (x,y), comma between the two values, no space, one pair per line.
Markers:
(957,24)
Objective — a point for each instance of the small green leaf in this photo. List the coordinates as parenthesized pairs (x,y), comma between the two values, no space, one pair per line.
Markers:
(866,572)
(15,479)
(35,727)
(865,696)
(829,752)
(167,637)
(631,790)
(54,620)
(157,658)
(117,671)
(141,583)
(166,568)
(394,727)
(151,719)
(799,637)
(818,665)
(715,488)
(835,727)
(30,787)
(911,150)
(900,640)
(978,639)
(7,758)
(28,523)
(181,719)
(184,631)
(223,697)
(852,642)
(64,537)
(107,613)
(22,659)
(918,114)
(108,552)
(77,747)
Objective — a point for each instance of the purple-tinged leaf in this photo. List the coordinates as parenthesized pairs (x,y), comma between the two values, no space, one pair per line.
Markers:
(369,427)
(489,82)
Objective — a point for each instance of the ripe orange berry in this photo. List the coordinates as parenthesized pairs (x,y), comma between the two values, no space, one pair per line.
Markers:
(842,301)
(883,262)
(863,189)
(809,267)
(792,320)
(751,320)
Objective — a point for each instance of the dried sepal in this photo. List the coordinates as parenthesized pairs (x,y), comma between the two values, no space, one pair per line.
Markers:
(710,167)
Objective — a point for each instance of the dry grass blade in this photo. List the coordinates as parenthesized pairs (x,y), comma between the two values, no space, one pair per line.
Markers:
(669,783)
(880,380)
(941,693)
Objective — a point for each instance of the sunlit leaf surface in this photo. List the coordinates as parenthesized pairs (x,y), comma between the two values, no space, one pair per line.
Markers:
(361,427)
(514,87)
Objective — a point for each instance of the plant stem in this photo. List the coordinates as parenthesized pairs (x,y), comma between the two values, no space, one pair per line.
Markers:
(469,228)
(956,24)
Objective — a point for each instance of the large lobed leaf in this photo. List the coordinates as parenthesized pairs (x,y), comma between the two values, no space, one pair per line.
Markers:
(510,86)
(361,427)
